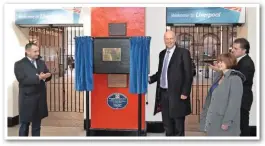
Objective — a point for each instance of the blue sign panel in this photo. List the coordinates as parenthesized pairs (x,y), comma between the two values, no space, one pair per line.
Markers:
(201,15)
(117,101)
(48,16)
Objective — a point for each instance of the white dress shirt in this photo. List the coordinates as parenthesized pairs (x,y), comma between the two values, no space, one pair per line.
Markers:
(35,63)
(239,58)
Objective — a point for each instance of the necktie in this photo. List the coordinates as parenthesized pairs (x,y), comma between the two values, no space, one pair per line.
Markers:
(163,82)
(33,62)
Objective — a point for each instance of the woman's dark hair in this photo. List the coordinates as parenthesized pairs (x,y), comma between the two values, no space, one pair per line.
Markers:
(229,60)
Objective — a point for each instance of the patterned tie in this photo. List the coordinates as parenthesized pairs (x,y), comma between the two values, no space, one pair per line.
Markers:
(163,80)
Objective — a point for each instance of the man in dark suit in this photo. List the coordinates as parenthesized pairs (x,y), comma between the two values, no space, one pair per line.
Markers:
(32,73)
(246,66)
(174,80)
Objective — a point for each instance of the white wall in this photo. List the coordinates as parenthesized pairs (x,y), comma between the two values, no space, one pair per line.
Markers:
(251,20)
(85,18)
(155,26)
(14,41)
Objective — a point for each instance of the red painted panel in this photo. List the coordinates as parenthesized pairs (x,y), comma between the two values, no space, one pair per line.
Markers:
(102,116)
(134,17)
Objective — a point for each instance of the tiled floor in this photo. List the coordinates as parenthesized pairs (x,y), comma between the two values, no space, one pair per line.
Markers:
(52,131)
(78,131)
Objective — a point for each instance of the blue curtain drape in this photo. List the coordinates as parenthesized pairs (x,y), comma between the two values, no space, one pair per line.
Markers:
(139,64)
(84,63)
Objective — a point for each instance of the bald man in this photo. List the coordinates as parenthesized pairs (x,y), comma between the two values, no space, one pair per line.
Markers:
(174,80)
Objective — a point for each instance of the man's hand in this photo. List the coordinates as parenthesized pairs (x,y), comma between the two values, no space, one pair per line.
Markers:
(149,80)
(224,127)
(41,76)
(214,66)
(183,97)
(47,75)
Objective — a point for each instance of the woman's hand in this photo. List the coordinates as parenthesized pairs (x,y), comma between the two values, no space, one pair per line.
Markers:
(224,127)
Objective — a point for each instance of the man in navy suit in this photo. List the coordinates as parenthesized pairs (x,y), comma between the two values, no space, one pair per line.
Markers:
(32,73)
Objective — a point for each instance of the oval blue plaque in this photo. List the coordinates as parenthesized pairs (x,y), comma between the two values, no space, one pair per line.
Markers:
(117,101)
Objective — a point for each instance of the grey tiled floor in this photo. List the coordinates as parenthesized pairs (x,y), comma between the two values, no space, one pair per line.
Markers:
(77,131)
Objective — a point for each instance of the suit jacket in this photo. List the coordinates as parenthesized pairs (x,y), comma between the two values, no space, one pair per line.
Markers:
(246,66)
(32,91)
(180,76)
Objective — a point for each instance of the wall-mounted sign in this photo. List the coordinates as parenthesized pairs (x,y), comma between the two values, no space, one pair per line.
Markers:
(203,15)
(117,80)
(47,16)
(117,101)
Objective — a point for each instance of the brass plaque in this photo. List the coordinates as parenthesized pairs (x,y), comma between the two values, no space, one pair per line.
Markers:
(111,54)
(117,80)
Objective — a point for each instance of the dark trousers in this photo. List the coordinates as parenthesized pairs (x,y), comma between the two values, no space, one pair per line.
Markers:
(244,122)
(35,128)
(172,126)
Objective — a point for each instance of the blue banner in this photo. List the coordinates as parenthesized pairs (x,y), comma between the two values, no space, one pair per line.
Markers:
(202,15)
(48,16)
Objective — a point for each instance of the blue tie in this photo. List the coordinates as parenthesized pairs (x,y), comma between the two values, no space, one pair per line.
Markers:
(163,80)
